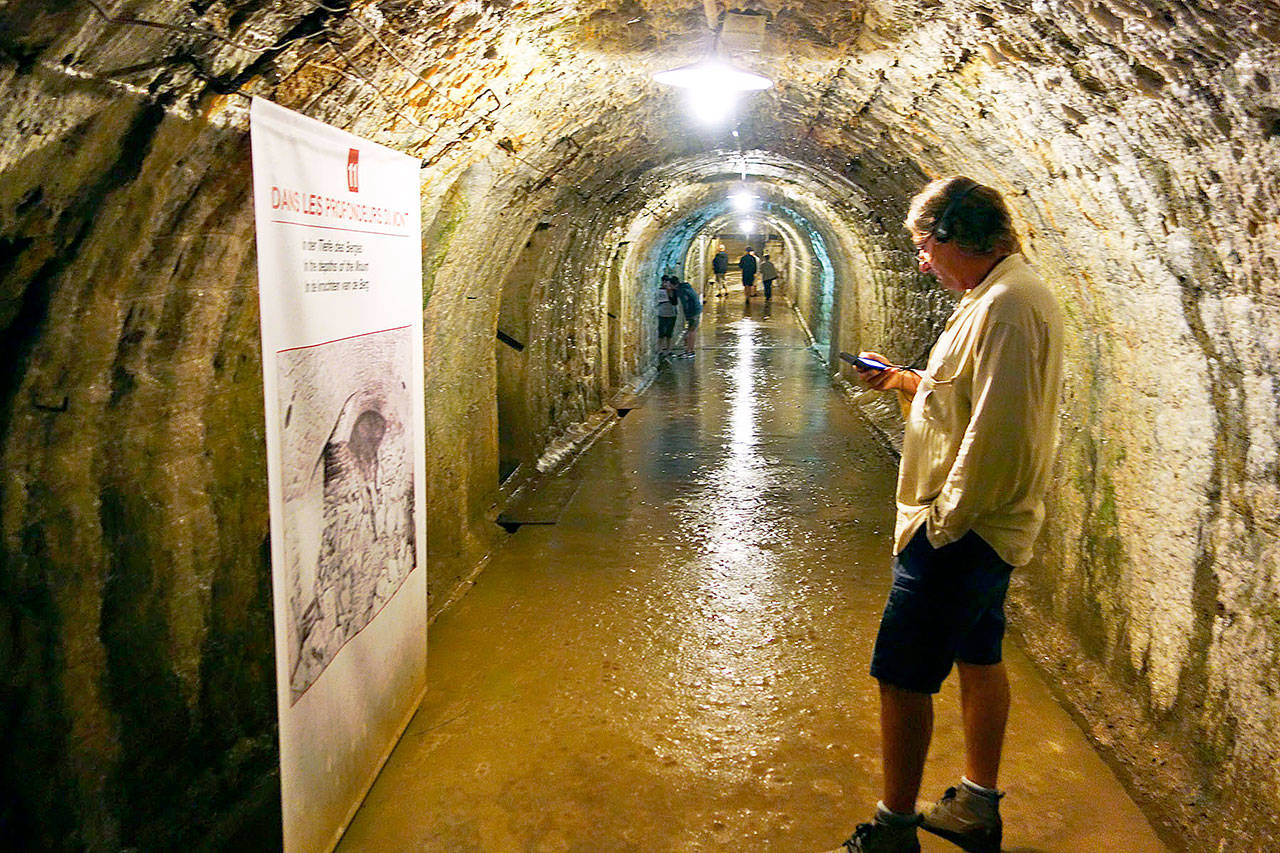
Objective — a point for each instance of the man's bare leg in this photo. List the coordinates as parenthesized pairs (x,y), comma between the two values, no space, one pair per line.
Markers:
(984,703)
(906,726)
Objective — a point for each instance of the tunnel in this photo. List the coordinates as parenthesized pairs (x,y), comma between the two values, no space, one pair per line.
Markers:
(1136,141)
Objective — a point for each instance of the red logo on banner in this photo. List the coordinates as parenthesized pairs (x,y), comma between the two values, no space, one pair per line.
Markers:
(353,170)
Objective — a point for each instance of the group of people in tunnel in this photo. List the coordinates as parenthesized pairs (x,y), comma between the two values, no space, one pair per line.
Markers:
(749,265)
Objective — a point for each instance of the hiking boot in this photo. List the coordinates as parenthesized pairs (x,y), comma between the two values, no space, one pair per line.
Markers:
(881,838)
(966,819)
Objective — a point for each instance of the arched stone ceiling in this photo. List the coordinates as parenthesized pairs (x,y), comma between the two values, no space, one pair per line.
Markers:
(880,92)
(1137,142)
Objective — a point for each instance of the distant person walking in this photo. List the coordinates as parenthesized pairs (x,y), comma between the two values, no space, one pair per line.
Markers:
(691,305)
(668,310)
(747,263)
(720,267)
(768,274)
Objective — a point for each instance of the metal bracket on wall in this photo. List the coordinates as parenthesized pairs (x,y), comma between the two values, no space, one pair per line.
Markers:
(510,341)
(550,173)
(46,407)
(483,119)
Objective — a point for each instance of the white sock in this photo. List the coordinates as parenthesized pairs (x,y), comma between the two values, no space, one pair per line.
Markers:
(986,793)
(901,820)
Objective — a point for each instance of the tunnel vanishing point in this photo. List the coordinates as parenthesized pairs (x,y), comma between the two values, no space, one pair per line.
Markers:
(1138,142)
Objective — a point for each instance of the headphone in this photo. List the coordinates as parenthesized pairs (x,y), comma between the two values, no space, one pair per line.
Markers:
(944,228)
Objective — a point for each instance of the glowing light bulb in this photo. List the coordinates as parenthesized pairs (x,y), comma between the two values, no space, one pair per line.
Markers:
(711,108)
(742,200)
(713,87)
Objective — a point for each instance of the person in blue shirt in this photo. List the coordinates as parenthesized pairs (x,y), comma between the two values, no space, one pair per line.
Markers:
(691,305)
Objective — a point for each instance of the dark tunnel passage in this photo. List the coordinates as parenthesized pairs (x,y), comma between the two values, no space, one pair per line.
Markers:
(1136,141)
(703,604)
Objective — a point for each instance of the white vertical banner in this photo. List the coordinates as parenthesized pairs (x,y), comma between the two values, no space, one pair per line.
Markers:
(340,288)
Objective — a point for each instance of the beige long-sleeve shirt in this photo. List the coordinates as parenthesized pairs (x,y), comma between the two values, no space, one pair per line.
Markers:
(983,426)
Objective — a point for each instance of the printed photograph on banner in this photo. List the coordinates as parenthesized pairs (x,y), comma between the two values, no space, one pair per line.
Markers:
(346,425)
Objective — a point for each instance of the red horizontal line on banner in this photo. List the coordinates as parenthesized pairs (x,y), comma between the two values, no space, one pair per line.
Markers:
(347,338)
(336,228)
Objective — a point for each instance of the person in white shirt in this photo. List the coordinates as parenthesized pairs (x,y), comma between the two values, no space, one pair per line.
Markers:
(976,459)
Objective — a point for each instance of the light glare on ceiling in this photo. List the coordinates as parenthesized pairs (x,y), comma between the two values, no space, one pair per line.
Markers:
(713,76)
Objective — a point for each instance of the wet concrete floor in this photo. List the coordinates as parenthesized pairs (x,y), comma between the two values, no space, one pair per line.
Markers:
(680,663)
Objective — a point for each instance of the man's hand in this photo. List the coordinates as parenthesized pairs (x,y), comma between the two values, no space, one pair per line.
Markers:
(893,378)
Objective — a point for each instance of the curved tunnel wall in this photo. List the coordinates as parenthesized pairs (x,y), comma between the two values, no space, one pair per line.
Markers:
(1137,142)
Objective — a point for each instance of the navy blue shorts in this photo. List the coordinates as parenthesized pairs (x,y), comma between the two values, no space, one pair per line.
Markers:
(946,605)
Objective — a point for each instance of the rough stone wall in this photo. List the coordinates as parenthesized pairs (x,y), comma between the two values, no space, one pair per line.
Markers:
(139,700)
(139,680)
(1138,144)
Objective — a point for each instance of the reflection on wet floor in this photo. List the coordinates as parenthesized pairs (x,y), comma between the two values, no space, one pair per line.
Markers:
(680,662)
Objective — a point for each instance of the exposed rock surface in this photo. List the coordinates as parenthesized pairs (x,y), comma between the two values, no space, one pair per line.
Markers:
(1137,140)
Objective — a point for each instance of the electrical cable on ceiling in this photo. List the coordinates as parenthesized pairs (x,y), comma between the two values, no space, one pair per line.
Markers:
(181,28)
(276,45)
(387,101)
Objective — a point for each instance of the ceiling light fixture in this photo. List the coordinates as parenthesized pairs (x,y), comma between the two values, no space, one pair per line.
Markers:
(713,75)
(712,87)
(714,83)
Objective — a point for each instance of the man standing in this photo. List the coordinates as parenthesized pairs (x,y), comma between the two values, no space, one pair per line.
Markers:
(747,263)
(976,460)
(719,267)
